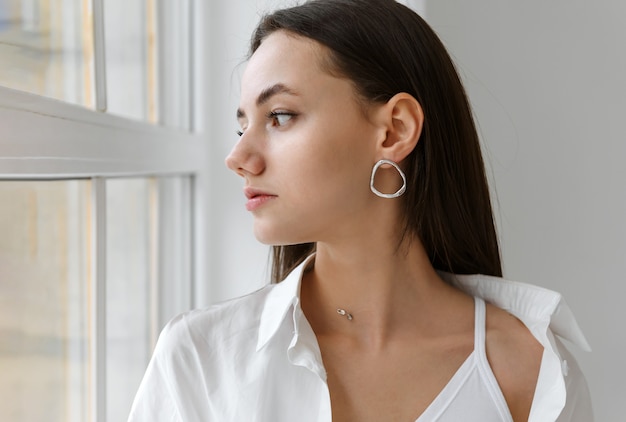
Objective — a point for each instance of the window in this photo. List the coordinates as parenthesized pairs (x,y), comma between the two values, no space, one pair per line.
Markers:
(99,163)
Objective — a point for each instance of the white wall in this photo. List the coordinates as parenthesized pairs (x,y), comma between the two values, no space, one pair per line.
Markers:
(548,86)
(548,83)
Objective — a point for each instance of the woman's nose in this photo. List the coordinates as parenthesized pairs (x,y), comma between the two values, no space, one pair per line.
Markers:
(245,160)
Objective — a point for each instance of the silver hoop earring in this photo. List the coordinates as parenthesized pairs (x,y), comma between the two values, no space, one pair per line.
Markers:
(399,192)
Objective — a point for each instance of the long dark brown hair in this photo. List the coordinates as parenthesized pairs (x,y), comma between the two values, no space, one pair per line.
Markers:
(385,48)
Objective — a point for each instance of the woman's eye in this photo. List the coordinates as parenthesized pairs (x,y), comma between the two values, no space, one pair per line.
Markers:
(280,118)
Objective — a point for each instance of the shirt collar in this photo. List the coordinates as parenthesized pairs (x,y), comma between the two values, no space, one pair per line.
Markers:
(529,303)
(279,301)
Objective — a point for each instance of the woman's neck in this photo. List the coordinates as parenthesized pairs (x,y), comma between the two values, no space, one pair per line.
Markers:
(386,289)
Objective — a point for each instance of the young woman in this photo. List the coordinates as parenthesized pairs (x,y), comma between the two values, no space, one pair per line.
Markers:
(362,166)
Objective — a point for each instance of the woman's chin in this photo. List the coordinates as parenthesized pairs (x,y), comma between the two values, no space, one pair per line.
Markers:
(273,238)
(268,237)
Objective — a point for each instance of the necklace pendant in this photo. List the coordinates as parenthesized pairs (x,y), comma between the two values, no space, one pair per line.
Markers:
(342,312)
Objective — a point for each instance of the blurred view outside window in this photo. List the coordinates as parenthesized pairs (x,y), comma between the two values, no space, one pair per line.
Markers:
(44,291)
(47,48)
(50,353)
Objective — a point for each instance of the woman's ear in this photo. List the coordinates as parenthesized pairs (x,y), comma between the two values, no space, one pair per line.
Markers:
(402,118)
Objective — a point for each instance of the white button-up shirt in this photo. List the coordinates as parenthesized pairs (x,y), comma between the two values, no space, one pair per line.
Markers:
(256,358)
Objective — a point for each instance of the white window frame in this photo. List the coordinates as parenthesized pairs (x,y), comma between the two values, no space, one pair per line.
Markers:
(43,138)
(47,139)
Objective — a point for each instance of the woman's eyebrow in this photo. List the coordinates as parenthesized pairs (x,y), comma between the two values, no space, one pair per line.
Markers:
(267,94)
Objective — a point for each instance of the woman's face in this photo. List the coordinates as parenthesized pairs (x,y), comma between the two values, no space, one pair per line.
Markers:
(306,149)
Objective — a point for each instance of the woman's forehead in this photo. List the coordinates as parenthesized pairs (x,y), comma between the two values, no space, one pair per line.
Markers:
(284,56)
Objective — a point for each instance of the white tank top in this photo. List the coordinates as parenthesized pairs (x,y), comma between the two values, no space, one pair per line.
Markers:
(473,394)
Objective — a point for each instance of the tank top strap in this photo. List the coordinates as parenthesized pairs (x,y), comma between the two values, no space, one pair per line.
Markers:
(480,322)
(480,353)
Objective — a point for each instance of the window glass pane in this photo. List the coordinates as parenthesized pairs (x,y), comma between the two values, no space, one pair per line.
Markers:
(46,47)
(148,275)
(131,289)
(131,57)
(44,296)
(175,63)
(46,340)
(148,60)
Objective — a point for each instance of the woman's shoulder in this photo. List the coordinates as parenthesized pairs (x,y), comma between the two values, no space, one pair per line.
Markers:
(540,379)
(525,325)
(198,350)
(539,308)
(212,324)
(514,356)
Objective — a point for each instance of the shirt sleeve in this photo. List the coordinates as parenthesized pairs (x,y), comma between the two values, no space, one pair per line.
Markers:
(578,407)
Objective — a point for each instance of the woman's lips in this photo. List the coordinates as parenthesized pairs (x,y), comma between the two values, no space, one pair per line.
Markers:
(257,201)
(256,198)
